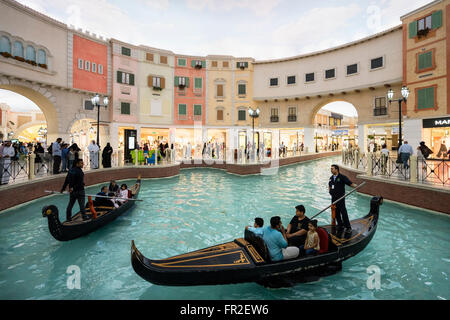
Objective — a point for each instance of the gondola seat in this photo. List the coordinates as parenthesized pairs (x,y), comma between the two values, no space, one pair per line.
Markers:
(259,244)
(323,240)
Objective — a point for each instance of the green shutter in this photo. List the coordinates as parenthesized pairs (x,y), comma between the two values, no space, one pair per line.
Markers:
(198,83)
(425,60)
(413,29)
(126,51)
(246,64)
(131,79)
(241,89)
(177,81)
(119,76)
(197,109)
(182,109)
(436,19)
(203,64)
(192,63)
(425,98)
(187,82)
(430,97)
(125,108)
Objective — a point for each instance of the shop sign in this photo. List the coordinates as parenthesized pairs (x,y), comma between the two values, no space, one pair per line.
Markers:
(340,132)
(436,122)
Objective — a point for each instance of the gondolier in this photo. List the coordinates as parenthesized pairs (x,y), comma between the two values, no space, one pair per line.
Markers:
(336,187)
(75,181)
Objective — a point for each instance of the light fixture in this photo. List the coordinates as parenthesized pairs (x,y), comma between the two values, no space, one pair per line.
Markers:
(95,100)
(81,132)
(405,92)
(105,101)
(390,94)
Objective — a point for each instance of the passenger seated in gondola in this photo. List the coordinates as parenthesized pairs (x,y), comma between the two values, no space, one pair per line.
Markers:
(124,193)
(103,202)
(312,243)
(276,241)
(298,227)
(257,228)
(113,188)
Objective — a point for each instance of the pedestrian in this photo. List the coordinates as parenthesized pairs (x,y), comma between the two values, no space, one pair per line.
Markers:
(426,152)
(107,152)
(7,154)
(56,153)
(336,188)
(75,181)
(64,153)
(405,152)
(93,154)
(442,150)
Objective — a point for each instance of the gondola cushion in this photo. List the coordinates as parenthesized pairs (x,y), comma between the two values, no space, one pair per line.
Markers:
(323,239)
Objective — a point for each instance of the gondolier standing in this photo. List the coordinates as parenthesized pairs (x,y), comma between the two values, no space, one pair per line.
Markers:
(336,187)
(75,181)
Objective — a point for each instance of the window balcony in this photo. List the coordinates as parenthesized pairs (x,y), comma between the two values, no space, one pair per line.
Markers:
(380,111)
(292,118)
(274,119)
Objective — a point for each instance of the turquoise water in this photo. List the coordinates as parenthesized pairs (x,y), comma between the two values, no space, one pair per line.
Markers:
(203,207)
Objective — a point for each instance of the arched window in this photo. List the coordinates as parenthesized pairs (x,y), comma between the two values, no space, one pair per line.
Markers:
(31,54)
(42,57)
(18,49)
(5,44)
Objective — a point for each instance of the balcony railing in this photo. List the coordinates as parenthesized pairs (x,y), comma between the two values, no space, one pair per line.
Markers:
(292,118)
(380,111)
(274,119)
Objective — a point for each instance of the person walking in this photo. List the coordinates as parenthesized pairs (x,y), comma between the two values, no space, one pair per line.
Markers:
(64,153)
(56,153)
(107,152)
(405,152)
(93,154)
(336,188)
(426,152)
(75,181)
(7,153)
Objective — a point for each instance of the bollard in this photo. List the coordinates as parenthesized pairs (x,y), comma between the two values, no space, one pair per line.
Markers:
(369,163)
(31,159)
(413,169)
(333,214)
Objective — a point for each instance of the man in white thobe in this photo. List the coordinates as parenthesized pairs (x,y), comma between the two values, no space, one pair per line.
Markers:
(93,154)
(6,156)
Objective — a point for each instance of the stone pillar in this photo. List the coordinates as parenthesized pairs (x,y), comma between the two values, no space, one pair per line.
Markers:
(120,156)
(369,163)
(412,132)
(309,141)
(31,159)
(356,157)
(413,168)
(362,137)
(136,160)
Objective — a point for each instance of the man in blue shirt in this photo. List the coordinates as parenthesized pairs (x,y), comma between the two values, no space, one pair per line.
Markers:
(276,241)
(405,152)
(257,227)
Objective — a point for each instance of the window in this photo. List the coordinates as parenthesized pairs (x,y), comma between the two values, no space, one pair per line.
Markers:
(274,115)
(242,89)
(126,51)
(149,56)
(42,57)
(156,82)
(426,98)
(225,64)
(31,54)
(424,23)
(198,64)
(182,112)
(330,73)
(18,49)
(125,108)
(197,112)
(163,59)
(425,61)
(87,65)
(292,114)
(214,64)
(80,64)
(181,81)
(5,44)
(242,115)
(291,80)
(376,63)
(273,82)
(380,107)
(100,69)
(219,90)
(219,114)
(198,83)
(242,65)
(88,105)
(309,77)
(94,67)
(352,69)
(422,26)
(125,78)
(181,62)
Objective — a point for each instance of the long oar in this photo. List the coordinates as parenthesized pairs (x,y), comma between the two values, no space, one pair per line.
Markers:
(94,195)
(340,199)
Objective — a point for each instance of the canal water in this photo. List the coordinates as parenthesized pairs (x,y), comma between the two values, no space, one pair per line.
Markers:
(204,207)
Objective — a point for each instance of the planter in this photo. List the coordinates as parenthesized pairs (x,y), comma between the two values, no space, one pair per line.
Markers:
(6,54)
(423,32)
(19,58)
(42,65)
(31,62)
(157,88)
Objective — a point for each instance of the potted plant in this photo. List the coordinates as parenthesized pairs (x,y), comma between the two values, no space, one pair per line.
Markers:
(19,58)
(423,32)
(6,54)
(42,65)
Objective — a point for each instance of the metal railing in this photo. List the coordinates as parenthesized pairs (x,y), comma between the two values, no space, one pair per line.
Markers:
(436,171)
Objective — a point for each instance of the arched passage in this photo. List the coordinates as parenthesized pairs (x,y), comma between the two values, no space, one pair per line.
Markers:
(83,131)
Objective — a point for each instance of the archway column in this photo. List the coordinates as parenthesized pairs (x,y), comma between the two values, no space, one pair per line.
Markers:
(362,137)
(412,132)
(309,139)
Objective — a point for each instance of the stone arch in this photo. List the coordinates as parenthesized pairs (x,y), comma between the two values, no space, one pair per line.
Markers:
(324,102)
(29,125)
(41,96)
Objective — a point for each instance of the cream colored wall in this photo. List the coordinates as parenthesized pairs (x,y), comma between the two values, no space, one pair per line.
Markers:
(388,45)
(246,101)
(212,102)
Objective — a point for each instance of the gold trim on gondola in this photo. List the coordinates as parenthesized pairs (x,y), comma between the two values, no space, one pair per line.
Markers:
(218,248)
(339,241)
(241,261)
(255,255)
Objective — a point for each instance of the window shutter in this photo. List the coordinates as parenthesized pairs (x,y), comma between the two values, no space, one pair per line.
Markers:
(119,76)
(149,56)
(219,114)
(237,65)
(177,81)
(413,29)
(220,90)
(246,64)
(150,81)
(430,97)
(214,64)
(203,64)
(436,19)
(131,79)
(163,83)
(187,82)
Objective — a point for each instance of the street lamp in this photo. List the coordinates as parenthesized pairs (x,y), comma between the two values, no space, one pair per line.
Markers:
(254,114)
(96,103)
(405,93)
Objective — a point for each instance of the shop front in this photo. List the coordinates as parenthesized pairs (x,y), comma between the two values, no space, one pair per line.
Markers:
(436,136)
(152,136)
(291,138)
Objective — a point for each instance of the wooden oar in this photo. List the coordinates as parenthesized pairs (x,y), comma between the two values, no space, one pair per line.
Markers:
(339,199)
(94,195)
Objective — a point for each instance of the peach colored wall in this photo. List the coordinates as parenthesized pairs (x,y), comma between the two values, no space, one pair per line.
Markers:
(94,53)
(189,98)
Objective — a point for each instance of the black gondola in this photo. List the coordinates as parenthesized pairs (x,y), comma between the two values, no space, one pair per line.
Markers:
(247,260)
(69,230)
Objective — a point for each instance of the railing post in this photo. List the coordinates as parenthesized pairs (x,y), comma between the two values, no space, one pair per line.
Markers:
(31,166)
(356,157)
(413,168)
(369,163)
(156,156)
(120,158)
(136,160)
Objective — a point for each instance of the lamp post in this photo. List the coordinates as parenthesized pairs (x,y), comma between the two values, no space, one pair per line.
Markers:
(254,114)
(96,103)
(390,95)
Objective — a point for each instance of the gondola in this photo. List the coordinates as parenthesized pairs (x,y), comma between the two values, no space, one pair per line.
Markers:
(247,259)
(69,230)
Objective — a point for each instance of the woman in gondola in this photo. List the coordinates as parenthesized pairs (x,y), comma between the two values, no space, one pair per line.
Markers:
(106,156)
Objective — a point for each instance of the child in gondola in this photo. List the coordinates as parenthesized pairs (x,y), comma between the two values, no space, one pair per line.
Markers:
(312,244)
